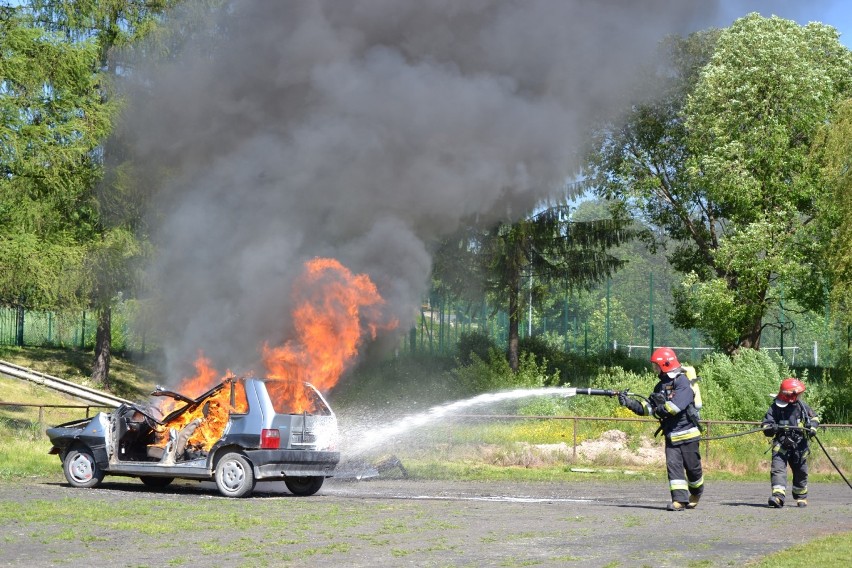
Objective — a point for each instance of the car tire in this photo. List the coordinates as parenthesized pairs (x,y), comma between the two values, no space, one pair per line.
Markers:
(80,468)
(156,482)
(234,475)
(304,486)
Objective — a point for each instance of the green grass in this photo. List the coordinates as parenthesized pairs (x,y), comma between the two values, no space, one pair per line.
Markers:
(473,449)
(826,551)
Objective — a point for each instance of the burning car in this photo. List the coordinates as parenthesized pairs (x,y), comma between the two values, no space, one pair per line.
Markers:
(241,431)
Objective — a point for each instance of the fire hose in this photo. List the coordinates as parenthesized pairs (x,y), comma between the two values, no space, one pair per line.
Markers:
(608,392)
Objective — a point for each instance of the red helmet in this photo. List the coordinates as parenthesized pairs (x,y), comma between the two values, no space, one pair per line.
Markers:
(790,390)
(665,358)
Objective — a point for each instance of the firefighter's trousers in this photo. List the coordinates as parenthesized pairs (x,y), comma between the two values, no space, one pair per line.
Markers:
(681,459)
(798,462)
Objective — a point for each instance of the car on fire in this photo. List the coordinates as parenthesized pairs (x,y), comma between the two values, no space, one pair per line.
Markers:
(241,431)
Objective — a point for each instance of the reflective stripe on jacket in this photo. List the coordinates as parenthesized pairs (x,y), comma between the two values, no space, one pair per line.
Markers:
(675,422)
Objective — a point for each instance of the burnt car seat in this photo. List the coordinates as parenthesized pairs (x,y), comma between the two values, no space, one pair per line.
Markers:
(177,443)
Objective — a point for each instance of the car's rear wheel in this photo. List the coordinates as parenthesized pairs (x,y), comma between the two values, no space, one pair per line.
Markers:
(234,475)
(156,482)
(304,486)
(80,468)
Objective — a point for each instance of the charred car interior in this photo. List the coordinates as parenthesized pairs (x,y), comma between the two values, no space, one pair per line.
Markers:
(241,431)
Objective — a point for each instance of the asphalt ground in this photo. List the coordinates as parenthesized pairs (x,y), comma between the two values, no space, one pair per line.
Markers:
(404,522)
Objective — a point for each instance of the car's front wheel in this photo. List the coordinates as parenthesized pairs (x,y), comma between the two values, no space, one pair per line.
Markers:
(156,482)
(80,468)
(234,475)
(304,486)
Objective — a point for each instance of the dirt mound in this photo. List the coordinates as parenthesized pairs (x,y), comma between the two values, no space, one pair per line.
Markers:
(611,448)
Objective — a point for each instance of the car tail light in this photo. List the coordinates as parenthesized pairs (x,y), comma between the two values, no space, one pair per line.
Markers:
(270,439)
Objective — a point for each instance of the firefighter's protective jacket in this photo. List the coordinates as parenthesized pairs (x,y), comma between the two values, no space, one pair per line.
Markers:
(675,422)
(797,414)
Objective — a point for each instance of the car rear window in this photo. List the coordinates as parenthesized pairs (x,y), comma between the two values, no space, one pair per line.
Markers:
(293,397)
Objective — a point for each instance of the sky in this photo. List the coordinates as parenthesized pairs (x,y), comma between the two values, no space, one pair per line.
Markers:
(837,13)
(368,130)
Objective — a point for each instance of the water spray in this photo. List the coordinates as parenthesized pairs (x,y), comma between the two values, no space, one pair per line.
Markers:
(374,437)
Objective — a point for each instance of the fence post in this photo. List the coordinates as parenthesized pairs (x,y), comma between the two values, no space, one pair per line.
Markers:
(651,312)
(574,420)
(41,415)
(606,333)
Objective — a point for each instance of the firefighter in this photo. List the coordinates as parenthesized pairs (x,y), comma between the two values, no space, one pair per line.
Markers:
(672,402)
(790,422)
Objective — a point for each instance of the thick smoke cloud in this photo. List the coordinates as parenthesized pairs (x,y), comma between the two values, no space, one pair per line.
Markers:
(364,130)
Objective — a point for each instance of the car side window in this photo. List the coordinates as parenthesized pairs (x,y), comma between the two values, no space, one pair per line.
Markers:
(239,401)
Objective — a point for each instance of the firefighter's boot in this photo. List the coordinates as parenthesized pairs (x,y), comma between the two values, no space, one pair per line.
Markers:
(801,502)
(693,501)
(777,500)
(676,506)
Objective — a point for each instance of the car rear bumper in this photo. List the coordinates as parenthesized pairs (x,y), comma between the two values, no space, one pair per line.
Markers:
(278,464)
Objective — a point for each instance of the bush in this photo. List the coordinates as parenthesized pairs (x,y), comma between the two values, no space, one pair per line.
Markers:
(476,343)
(613,378)
(494,374)
(576,369)
(830,396)
(740,387)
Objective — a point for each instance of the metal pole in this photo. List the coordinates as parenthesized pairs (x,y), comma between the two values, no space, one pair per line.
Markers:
(781,319)
(575,437)
(606,333)
(529,311)
(651,311)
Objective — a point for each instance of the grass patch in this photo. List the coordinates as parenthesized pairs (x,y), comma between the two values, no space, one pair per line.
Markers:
(825,551)
(455,448)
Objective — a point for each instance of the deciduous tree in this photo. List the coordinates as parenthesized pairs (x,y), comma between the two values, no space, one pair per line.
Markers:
(720,162)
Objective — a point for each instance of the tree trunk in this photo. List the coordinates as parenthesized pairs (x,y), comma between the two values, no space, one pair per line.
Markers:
(19,325)
(514,321)
(103,348)
(751,338)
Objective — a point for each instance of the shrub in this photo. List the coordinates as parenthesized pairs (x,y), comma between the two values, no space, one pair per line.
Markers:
(476,343)
(613,378)
(494,374)
(831,396)
(740,387)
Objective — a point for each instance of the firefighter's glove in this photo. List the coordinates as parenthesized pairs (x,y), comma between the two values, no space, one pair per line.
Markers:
(628,402)
(770,430)
(812,426)
(657,399)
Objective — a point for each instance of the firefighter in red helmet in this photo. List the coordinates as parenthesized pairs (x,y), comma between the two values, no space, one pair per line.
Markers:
(789,422)
(673,403)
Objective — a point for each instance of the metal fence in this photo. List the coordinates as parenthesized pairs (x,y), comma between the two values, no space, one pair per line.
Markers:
(598,322)
(42,407)
(709,425)
(630,318)
(75,329)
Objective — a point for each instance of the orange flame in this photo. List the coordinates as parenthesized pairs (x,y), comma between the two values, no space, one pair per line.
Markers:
(331,303)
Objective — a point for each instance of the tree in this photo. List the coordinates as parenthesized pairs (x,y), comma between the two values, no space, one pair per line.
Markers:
(835,149)
(535,252)
(115,239)
(720,164)
(53,118)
